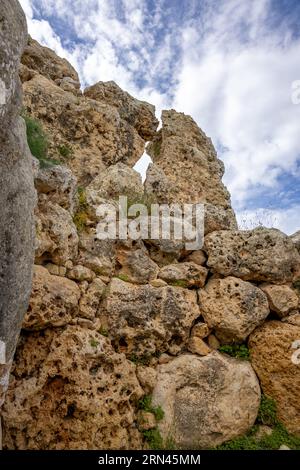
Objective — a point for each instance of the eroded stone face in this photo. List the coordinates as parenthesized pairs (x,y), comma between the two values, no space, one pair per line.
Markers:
(276,361)
(253,255)
(119,180)
(70,390)
(17,194)
(59,184)
(282,299)
(187,274)
(139,114)
(233,308)
(54,301)
(189,161)
(136,266)
(206,400)
(44,61)
(94,131)
(143,320)
(56,235)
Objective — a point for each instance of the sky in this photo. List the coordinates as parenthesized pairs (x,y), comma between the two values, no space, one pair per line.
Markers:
(233,65)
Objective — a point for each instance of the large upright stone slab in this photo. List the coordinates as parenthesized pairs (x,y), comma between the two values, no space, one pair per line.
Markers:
(17,194)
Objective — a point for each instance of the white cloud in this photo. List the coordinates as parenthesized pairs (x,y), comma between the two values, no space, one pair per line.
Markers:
(223,62)
(237,86)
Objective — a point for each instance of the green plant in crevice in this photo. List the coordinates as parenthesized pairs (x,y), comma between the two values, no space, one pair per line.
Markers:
(94,343)
(123,277)
(153,436)
(103,331)
(154,439)
(239,351)
(145,404)
(179,283)
(66,151)
(37,141)
(267,414)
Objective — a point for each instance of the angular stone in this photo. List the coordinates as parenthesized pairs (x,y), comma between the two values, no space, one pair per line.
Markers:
(293,319)
(200,330)
(147,378)
(57,238)
(119,180)
(59,184)
(261,254)
(282,299)
(218,218)
(70,390)
(93,131)
(44,61)
(213,342)
(81,273)
(136,266)
(157,186)
(275,356)
(184,274)
(56,270)
(139,114)
(144,320)
(233,308)
(198,346)
(206,400)
(188,159)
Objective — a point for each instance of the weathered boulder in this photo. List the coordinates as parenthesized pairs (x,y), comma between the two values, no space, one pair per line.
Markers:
(233,308)
(138,114)
(261,254)
(196,345)
(118,180)
(97,255)
(70,390)
(136,266)
(17,194)
(44,61)
(56,234)
(189,161)
(201,330)
(81,273)
(93,133)
(54,301)
(187,274)
(206,400)
(218,218)
(282,299)
(157,185)
(59,184)
(143,320)
(275,356)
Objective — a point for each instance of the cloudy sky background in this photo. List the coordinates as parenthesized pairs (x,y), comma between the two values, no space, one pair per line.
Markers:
(228,63)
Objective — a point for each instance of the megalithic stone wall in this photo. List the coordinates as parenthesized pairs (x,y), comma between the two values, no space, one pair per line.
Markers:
(17,194)
(113,321)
